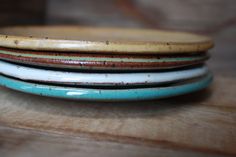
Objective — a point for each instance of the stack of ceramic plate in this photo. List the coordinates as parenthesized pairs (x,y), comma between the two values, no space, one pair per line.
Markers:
(103,63)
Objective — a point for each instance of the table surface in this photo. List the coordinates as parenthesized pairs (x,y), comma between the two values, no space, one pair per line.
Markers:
(202,123)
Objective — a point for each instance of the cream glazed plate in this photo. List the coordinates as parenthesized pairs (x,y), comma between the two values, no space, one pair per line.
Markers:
(100,79)
(102,40)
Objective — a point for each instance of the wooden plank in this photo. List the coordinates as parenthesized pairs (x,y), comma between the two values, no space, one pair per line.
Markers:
(203,122)
(21,143)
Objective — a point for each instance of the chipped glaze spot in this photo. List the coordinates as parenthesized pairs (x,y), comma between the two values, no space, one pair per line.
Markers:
(16,42)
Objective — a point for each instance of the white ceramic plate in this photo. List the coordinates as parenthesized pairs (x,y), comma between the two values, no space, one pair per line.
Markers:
(108,79)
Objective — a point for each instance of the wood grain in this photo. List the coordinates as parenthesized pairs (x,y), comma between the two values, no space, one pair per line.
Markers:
(21,143)
(202,123)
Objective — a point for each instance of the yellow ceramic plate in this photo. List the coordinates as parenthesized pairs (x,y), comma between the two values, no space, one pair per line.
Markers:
(102,40)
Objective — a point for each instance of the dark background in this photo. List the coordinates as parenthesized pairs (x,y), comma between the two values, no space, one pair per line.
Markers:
(207,16)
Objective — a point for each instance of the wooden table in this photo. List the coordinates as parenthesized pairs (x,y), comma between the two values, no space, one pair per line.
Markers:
(199,124)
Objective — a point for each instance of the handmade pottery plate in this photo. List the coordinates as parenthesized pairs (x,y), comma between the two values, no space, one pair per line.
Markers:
(102,40)
(103,79)
(106,94)
(101,62)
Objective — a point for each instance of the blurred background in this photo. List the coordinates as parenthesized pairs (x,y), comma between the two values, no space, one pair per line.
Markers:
(204,16)
(216,18)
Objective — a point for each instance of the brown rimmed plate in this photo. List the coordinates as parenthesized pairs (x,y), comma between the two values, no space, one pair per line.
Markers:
(100,61)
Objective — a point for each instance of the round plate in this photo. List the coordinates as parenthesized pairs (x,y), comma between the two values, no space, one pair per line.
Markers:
(106,94)
(102,40)
(101,62)
(108,79)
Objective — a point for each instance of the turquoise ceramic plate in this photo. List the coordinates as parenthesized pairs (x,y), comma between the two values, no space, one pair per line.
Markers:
(106,94)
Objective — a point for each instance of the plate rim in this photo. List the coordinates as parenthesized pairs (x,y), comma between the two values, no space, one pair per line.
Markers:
(100,79)
(110,62)
(106,94)
(110,47)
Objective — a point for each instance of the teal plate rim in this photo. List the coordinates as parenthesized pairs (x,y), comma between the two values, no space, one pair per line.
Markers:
(106,94)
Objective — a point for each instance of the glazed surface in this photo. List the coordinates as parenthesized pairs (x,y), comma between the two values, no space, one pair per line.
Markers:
(103,79)
(101,62)
(102,40)
(106,94)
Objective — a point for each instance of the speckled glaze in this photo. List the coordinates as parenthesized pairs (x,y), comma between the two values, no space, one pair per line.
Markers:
(101,62)
(106,94)
(102,40)
(104,79)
